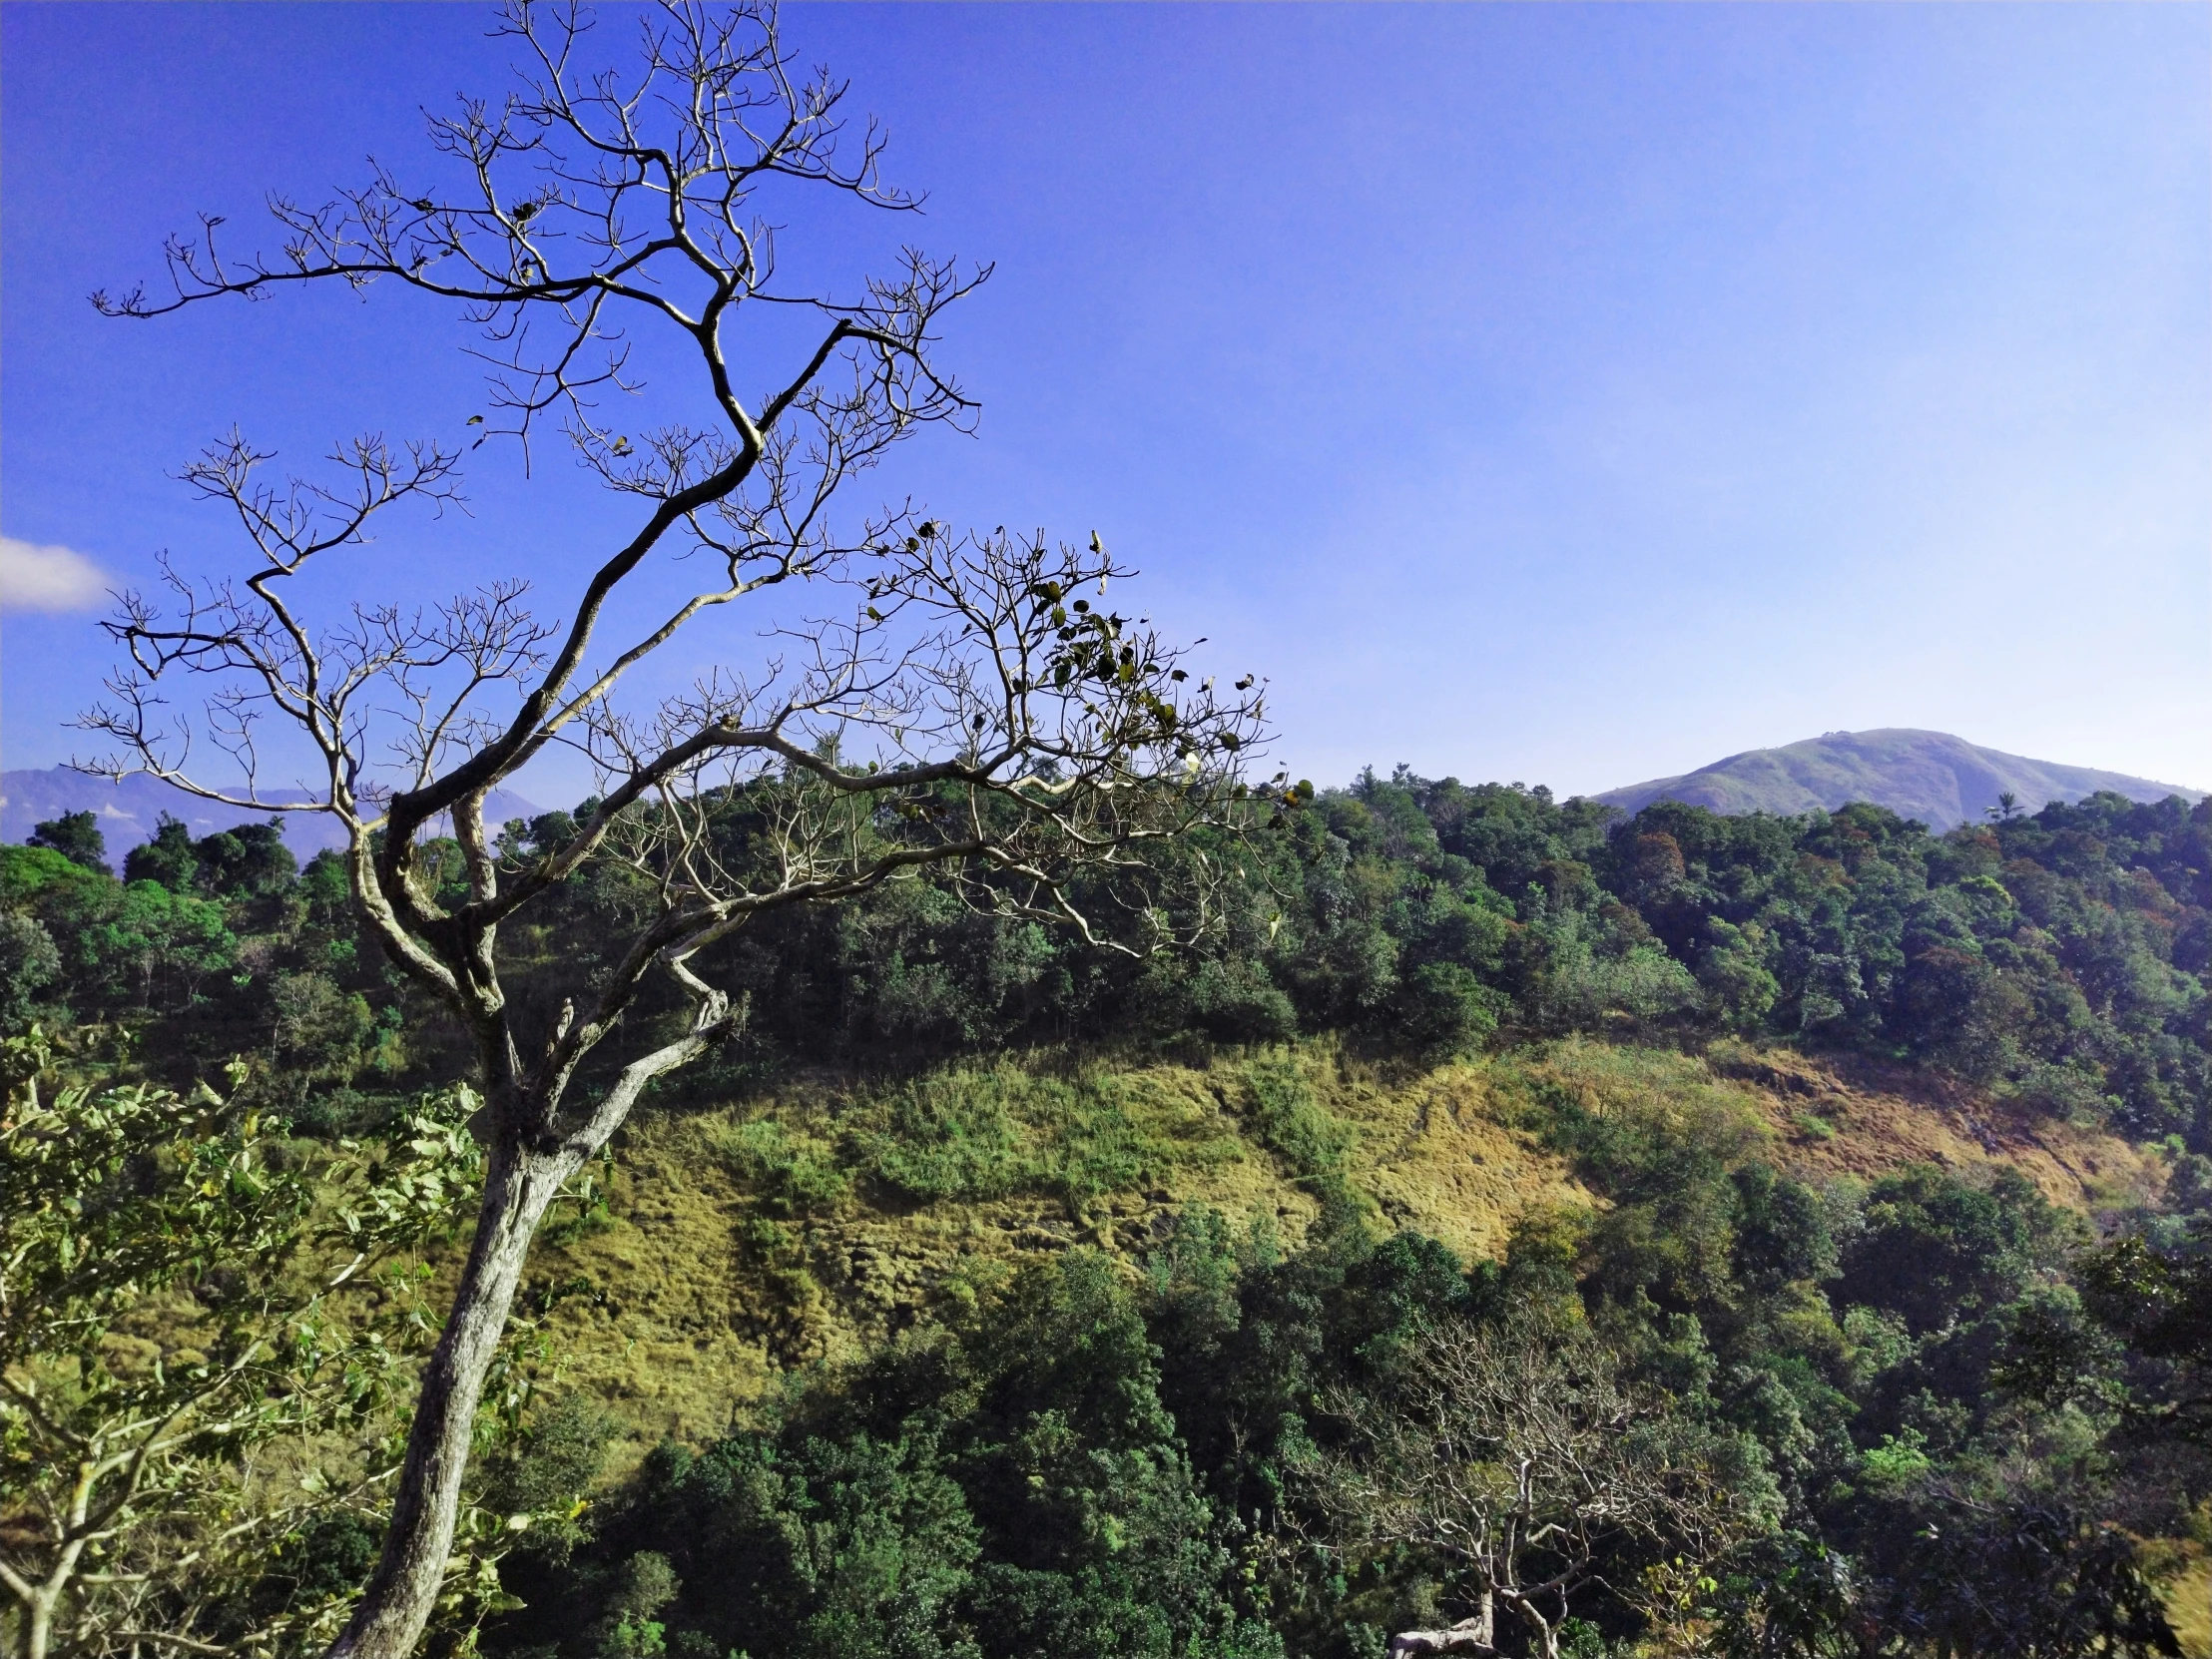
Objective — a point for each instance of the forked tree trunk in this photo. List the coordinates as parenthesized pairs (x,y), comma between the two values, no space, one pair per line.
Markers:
(41,1601)
(397,1606)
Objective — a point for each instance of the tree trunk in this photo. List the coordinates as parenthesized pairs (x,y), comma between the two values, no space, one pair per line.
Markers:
(397,1606)
(41,1600)
(37,1623)
(1477,1634)
(1467,1636)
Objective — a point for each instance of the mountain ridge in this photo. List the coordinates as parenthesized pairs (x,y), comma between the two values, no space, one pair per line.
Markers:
(1935,776)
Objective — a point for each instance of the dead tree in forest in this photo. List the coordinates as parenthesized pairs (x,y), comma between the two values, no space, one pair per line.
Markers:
(973,706)
(1522,1462)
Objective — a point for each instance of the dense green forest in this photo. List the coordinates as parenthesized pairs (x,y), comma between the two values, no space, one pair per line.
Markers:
(1721,1411)
(2062,958)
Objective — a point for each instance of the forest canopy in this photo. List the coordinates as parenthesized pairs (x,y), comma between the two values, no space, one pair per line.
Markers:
(2062,958)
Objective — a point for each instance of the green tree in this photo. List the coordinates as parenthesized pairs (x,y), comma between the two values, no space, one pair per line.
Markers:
(249,860)
(154,941)
(167,858)
(168,1307)
(41,882)
(1007,1486)
(2019,1571)
(1932,1247)
(318,1029)
(77,837)
(29,962)
(2159,1301)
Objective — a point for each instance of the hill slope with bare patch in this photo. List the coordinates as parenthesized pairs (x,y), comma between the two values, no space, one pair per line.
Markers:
(809,1224)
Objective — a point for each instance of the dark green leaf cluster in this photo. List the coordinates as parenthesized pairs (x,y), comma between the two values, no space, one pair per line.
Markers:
(1010,1484)
(2063,959)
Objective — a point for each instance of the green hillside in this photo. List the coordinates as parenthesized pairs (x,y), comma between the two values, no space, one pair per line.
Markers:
(860,1209)
(1933,777)
(1839,1186)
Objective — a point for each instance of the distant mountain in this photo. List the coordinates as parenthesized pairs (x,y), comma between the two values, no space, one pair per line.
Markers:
(130,809)
(1940,779)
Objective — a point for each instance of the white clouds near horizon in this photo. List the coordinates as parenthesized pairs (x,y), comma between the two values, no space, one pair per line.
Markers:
(48,578)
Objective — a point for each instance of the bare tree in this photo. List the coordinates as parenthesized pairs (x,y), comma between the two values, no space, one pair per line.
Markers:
(960,704)
(1523,1463)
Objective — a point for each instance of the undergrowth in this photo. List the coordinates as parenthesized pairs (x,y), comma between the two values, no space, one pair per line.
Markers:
(972,1134)
(1297,1128)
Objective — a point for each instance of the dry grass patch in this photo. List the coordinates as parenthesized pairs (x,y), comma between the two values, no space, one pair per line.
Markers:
(1837,1115)
(811,1224)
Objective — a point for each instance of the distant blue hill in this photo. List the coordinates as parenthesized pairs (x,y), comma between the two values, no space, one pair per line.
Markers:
(130,809)
(1932,776)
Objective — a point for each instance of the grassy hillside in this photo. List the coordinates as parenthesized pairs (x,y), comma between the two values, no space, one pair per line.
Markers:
(1933,777)
(817,1220)
(829,1294)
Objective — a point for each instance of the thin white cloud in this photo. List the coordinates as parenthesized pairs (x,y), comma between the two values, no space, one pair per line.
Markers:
(35,578)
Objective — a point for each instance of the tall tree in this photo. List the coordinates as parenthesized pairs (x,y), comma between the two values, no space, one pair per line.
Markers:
(77,837)
(970,708)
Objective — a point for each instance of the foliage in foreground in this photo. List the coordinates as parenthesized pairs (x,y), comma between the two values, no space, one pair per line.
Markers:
(200,1337)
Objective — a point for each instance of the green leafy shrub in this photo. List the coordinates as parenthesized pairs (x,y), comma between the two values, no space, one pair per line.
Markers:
(797,1176)
(1287,1121)
(953,1136)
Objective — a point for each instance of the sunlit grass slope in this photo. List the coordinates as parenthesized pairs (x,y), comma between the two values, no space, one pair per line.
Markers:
(805,1224)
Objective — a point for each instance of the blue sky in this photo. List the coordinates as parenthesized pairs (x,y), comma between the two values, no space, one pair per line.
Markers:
(1551,393)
